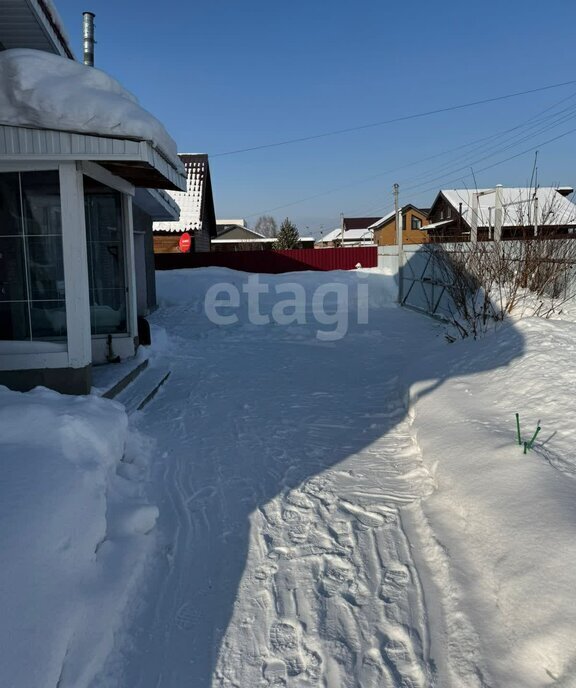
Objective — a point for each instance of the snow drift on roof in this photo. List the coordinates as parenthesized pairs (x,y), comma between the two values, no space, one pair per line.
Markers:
(51,92)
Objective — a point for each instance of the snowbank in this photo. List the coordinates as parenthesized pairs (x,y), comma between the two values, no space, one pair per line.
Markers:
(189,287)
(498,532)
(51,92)
(72,536)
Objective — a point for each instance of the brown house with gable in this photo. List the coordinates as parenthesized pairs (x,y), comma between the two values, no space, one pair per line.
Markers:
(414,221)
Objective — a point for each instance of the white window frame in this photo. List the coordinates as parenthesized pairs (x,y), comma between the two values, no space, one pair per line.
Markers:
(123,341)
(79,349)
(76,351)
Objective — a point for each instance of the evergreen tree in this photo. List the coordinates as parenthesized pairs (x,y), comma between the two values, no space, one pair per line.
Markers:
(288,236)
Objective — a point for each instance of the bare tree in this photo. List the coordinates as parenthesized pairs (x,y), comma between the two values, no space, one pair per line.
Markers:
(266,225)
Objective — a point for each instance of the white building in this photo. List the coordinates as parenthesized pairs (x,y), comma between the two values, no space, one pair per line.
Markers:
(81,166)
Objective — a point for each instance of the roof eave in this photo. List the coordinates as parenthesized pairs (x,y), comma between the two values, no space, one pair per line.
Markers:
(137,161)
(157,204)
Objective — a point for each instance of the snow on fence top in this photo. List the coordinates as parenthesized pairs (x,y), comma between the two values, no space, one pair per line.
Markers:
(51,92)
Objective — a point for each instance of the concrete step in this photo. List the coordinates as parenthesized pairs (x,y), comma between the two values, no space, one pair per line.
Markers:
(111,379)
(142,389)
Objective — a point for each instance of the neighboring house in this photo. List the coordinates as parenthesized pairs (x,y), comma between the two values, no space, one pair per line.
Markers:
(235,237)
(81,168)
(525,211)
(239,222)
(414,221)
(354,231)
(196,203)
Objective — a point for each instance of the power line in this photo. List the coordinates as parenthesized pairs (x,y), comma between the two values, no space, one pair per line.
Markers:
(487,167)
(403,118)
(475,149)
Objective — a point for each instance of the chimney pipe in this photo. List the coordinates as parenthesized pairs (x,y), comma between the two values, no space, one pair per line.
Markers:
(88,35)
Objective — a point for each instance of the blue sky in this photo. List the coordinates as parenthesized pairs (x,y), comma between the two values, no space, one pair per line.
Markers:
(228,75)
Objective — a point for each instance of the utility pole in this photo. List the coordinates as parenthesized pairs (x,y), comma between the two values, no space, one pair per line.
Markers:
(474,218)
(399,242)
(341,230)
(498,214)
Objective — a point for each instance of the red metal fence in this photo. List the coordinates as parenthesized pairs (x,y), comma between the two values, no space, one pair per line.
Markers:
(273,261)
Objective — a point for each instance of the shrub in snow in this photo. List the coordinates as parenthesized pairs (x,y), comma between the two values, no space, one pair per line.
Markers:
(489,281)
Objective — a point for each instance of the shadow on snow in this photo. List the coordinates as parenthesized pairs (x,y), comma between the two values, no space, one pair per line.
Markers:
(248,415)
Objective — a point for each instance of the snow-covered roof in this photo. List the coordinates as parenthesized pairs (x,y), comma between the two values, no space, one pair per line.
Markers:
(518,204)
(190,201)
(255,240)
(349,235)
(240,222)
(433,225)
(44,91)
(383,220)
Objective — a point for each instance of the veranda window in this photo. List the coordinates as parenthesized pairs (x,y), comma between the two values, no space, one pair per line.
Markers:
(106,258)
(32,303)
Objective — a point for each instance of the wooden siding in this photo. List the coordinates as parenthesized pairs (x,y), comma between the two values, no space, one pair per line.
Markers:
(386,236)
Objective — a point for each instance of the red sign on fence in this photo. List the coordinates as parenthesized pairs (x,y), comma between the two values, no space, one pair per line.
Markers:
(185,243)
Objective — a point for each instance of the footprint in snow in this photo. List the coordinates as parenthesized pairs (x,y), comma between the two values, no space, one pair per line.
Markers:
(299,499)
(274,671)
(284,642)
(186,617)
(369,519)
(394,583)
(337,576)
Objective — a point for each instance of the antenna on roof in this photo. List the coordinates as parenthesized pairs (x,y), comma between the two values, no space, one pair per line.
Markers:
(88,37)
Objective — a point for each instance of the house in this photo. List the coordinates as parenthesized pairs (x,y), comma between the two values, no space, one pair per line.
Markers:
(414,220)
(231,236)
(82,168)
(235,237)
(354,231)
(524,212)
(197,217)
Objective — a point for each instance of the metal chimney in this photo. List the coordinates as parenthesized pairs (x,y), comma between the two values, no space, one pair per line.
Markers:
(88,35)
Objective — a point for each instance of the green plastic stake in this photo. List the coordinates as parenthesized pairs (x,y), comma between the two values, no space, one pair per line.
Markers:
(525,446)
(518,428)
(534,437)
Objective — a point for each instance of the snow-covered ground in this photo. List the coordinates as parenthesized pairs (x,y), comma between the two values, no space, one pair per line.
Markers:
(335,511)
(74,522)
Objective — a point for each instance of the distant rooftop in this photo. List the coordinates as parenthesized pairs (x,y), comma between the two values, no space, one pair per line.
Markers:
(195,202)
(240,222)
(519,205)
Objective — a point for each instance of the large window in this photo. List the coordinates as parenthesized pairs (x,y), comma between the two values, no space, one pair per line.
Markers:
(106,265)
(32,304)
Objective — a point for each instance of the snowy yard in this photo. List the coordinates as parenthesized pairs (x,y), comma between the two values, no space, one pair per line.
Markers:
(298,509)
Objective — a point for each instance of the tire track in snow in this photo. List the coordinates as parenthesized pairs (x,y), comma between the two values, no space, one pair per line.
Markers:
(330,596)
